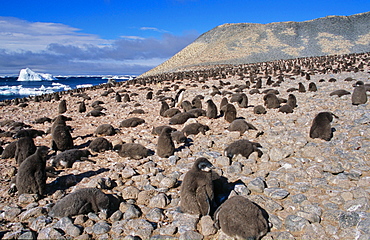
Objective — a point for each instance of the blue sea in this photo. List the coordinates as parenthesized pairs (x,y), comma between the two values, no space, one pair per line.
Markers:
(10,88)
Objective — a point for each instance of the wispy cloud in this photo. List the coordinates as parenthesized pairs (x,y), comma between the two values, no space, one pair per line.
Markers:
(153,29)
(62,49)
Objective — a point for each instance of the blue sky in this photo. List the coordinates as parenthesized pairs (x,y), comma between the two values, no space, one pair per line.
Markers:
(72,37)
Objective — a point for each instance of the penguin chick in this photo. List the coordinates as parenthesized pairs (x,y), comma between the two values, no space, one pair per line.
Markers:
(196,192)
(81,201)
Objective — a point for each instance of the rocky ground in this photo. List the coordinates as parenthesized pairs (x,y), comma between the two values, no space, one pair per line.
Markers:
(310,188)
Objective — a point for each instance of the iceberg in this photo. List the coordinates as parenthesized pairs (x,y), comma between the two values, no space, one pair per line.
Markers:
(29,75)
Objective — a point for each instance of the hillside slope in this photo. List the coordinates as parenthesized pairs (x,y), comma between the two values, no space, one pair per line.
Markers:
(250,42)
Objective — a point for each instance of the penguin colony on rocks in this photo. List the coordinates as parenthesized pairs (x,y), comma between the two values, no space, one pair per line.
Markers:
(136,143)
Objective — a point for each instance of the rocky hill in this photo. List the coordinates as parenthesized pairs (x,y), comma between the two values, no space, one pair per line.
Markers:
(242,43)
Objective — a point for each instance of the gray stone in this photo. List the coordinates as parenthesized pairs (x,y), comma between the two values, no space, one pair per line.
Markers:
(93,216)
(284,236)
(314,231)
(139,227)
(312,217)
(206,225)
(190,235)
(275,221)
(168,182)
(33,212)
(276,193)
(27,235)
(159,201)
(272,182)
(49,233)
(295,223)
(348,219)
(130,192)
(11,213)
(173,160)
(39,223)
(333,167)
(257,185)
(168,230)
(360,204)
(73,230)
(298,198)
(63,223)
(223,161)
(131,212)
(155,215)
(116,216)
(28,198)
(101,228)
(276,153)
(241,189)
(128,172)
(312,208)
(235,168)
(364,225)
(185,222)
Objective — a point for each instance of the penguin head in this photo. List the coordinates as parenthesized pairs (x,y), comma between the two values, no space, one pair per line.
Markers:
(204,165)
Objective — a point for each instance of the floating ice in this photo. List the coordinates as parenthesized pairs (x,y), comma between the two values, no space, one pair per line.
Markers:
(19,90)
(29,75)
(84,85)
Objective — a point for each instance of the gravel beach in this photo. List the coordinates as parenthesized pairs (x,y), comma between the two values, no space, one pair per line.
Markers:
(310,188)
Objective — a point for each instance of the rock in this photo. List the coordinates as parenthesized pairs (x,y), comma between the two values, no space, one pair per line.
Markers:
(333,167)
(223,161)
(128,172)
(28,198)
(185,222)
(364,225)
(284,236)
(131,212)
(314,231)
(33,212)
(298,198)
(276,154)
(130,192)
(63,223)
(155,215)
(73,230)
(168,182)
(27,235)
(139,227)
(360,204)
(168,230)
(39,223)
(276,193)
(295,223)
(190,235)
(159,201)
(11,213)
(348,219)
(49,233)
(276,222)
(144,197)
(101,228)
(312,217)
(206,225)
(116,216)
(257,185)
(93,216)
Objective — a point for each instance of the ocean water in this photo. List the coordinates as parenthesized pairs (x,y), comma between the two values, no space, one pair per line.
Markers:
(10,88)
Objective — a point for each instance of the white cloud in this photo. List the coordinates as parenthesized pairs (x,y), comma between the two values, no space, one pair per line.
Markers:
(17,34)
(153,29)
(62,49)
